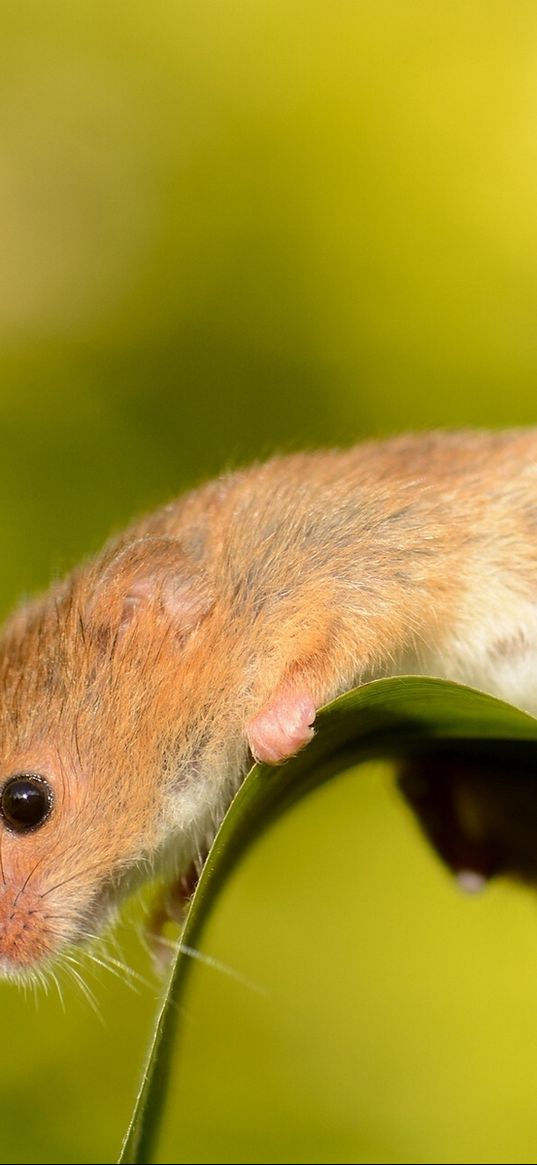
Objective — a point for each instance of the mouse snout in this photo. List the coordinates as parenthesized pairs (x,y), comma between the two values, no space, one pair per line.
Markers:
(26,928)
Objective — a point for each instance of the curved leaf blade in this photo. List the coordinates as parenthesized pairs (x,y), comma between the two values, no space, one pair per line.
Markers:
(385,718)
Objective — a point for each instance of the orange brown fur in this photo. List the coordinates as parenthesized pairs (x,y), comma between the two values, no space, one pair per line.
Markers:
(132,684)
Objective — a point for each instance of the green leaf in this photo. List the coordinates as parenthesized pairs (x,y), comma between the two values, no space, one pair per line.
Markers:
(385,718)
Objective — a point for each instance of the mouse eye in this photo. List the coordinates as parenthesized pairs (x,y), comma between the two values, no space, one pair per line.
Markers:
(25,801)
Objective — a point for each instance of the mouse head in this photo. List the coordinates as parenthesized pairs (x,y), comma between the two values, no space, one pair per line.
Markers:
(100,742)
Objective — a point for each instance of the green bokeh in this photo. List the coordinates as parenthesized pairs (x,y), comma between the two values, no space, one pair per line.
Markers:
(226,228)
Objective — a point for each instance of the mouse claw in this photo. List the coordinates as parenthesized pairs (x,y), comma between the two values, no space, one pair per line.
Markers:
(282,728)
(170,906)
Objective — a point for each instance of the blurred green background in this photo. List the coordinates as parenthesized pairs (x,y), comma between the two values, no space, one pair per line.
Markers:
(228,228)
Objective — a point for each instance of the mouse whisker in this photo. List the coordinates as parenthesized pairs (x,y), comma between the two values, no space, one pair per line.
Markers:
(77,743)
(34,980)
(64,882)
(118,970)
(70,966)
(26,880)
(53,976)
(212,962)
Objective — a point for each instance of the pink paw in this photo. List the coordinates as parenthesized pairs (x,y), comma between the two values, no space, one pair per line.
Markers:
(282,728)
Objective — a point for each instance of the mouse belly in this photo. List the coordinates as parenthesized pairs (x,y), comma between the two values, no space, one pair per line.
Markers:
(497,654)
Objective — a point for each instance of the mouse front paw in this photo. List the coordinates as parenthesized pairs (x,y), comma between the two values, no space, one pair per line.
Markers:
(282,727)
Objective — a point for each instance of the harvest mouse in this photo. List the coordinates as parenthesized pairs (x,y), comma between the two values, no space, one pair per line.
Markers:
(136,691)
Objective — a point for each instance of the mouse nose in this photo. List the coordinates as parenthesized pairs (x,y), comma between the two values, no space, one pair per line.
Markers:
(25,933)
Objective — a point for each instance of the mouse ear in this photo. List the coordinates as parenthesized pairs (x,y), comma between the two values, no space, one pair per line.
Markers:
(151,573)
